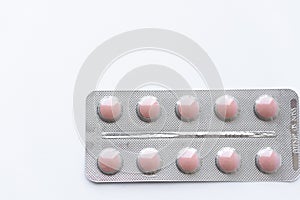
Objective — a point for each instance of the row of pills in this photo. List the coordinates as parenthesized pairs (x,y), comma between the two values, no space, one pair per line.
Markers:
(187,108)
(149,161)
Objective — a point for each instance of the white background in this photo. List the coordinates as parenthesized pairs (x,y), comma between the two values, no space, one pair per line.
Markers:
(43,44)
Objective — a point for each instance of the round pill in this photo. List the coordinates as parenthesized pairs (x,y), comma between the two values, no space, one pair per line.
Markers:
(266,108)
(268,160)
(110,161)
(110,109)
(187,108)
(228,160)
(148,109)
(149,161)
(226,108)
(188,161)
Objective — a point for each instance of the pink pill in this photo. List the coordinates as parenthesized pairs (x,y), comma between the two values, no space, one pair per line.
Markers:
(266,108)
(110,109)
(268,160)
(228,160)
(148,109)
(149,161)
(188,161)
(110,161)
(226,108)
(187,108)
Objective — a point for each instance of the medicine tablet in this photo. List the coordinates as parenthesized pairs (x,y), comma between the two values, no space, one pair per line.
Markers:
(187,108)
(110,161)
(266,108)
(149,161)
(226,108)
(228,160)
(110,109)
(148,109)
(188,161)
(268,160)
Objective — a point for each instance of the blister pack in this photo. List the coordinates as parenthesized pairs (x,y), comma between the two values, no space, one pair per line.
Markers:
(192,135)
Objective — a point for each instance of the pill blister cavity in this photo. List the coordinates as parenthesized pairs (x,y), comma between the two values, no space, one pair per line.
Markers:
(268,160)
(110,109)
(188,161)
(149,161)
(187,108)
(228,160)
(266,108)
(110,161)
(226,108)
(148,109)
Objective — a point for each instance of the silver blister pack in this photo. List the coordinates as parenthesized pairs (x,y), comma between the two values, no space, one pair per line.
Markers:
(185,136)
